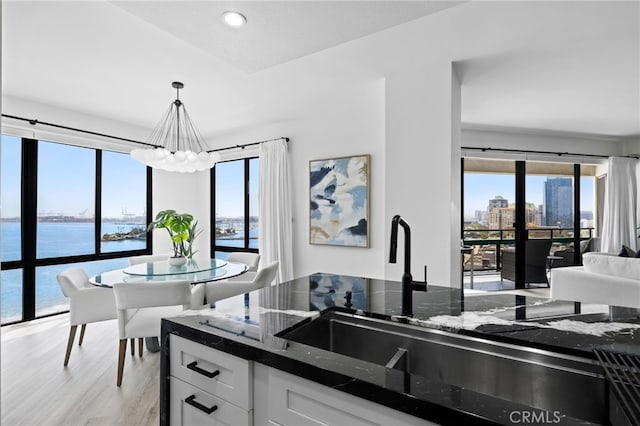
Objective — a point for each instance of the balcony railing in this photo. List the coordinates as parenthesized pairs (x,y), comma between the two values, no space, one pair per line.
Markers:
(488,243)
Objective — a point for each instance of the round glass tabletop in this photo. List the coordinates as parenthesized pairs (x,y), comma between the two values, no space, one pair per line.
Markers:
(163,267)
(222,270)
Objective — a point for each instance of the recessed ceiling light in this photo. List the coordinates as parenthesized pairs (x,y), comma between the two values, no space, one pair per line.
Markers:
(234,19)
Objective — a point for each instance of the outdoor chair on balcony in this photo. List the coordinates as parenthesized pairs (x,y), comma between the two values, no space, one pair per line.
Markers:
(536,262)
(566,255)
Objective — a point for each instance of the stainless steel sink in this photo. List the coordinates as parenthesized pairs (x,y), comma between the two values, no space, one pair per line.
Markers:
(546,380)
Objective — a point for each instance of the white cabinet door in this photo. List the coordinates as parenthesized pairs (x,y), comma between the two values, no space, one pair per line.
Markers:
(298,402)
(191,406)
(216,372)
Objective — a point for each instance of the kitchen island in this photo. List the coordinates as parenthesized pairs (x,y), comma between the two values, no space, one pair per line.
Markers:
(252,331)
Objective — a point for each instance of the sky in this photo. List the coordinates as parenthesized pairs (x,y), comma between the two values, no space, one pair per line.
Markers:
(230,188)
(66,181)
(479,188)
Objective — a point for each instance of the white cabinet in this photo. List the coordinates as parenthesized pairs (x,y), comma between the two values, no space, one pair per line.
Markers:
(299,402)
(207,386)
(192,406)
(210,387)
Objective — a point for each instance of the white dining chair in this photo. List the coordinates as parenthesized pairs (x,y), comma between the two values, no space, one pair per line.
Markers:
(140,308)
(147,258)
(249,259)
(87,303)
(241,284)
(197,290)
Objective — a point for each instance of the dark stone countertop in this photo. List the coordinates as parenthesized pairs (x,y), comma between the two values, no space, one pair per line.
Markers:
(247,325)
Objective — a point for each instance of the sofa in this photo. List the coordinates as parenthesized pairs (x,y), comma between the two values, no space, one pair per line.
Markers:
(604,278)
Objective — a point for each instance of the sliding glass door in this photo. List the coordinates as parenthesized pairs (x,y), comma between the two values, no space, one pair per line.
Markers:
(489,212)
(533,210)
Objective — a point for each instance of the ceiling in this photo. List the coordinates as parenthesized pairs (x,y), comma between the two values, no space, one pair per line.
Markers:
(117,59)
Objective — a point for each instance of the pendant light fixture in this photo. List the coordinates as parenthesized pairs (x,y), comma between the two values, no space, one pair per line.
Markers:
(178,144)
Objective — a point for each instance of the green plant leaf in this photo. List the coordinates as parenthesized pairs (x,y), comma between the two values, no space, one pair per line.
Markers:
(181,228)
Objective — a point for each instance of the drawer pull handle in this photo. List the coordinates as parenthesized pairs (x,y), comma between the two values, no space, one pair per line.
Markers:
(191,400)
(194,366)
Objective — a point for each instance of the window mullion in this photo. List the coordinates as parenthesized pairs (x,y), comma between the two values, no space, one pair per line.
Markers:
(246,203)
(29,225)
(97,217)
(576,214)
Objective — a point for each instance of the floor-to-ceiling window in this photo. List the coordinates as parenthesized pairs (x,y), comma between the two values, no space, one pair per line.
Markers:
(489,211)
(65,206)
(10,227)
(235,203)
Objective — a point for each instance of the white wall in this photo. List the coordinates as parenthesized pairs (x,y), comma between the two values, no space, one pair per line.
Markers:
(525,139)
(184,193)
(60,116)
(632,146)
(351,123)
(421,172)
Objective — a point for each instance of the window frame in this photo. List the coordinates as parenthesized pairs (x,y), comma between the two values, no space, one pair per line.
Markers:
(521,230)
(28,210)
(226,249)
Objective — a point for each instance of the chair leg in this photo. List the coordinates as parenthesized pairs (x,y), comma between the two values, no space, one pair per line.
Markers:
(121,352)
(72,335)
(133,347)
(140,340)
(84,326)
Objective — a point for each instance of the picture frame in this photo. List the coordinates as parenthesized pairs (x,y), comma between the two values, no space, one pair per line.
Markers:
(339,199)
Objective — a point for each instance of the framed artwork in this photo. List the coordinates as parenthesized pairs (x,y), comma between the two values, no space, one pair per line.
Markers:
(339,201)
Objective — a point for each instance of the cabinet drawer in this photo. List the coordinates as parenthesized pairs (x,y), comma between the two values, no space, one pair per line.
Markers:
(294,401)
(194,363)
(183,412)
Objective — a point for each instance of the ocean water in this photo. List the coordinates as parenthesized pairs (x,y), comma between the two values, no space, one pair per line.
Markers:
(55,239)
(68,239)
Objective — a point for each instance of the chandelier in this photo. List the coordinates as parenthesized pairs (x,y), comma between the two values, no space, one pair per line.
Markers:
(178,147)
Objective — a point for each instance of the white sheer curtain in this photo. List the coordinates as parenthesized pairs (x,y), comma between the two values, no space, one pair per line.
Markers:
(638,205)
(620,205)
(276,238)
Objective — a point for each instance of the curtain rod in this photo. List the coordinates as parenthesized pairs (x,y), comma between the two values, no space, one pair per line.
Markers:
(33,122)
(526,151)
(284,138)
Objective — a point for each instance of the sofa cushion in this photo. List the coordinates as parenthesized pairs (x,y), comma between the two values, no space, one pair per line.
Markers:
(627,252)
(611,264)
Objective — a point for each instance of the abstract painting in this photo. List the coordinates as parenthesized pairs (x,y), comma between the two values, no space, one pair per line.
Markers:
(339,201)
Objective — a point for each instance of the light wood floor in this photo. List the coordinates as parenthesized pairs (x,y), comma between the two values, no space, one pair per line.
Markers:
(38,390)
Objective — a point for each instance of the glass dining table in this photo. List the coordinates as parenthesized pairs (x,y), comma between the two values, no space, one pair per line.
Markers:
(196,271)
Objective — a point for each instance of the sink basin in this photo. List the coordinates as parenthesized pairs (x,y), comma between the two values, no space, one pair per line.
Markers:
(571,386)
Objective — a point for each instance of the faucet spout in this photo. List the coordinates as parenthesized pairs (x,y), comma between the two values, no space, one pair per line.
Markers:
(408,285)
(398,220)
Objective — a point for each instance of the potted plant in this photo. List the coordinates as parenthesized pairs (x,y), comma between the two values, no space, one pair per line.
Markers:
(182,230)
